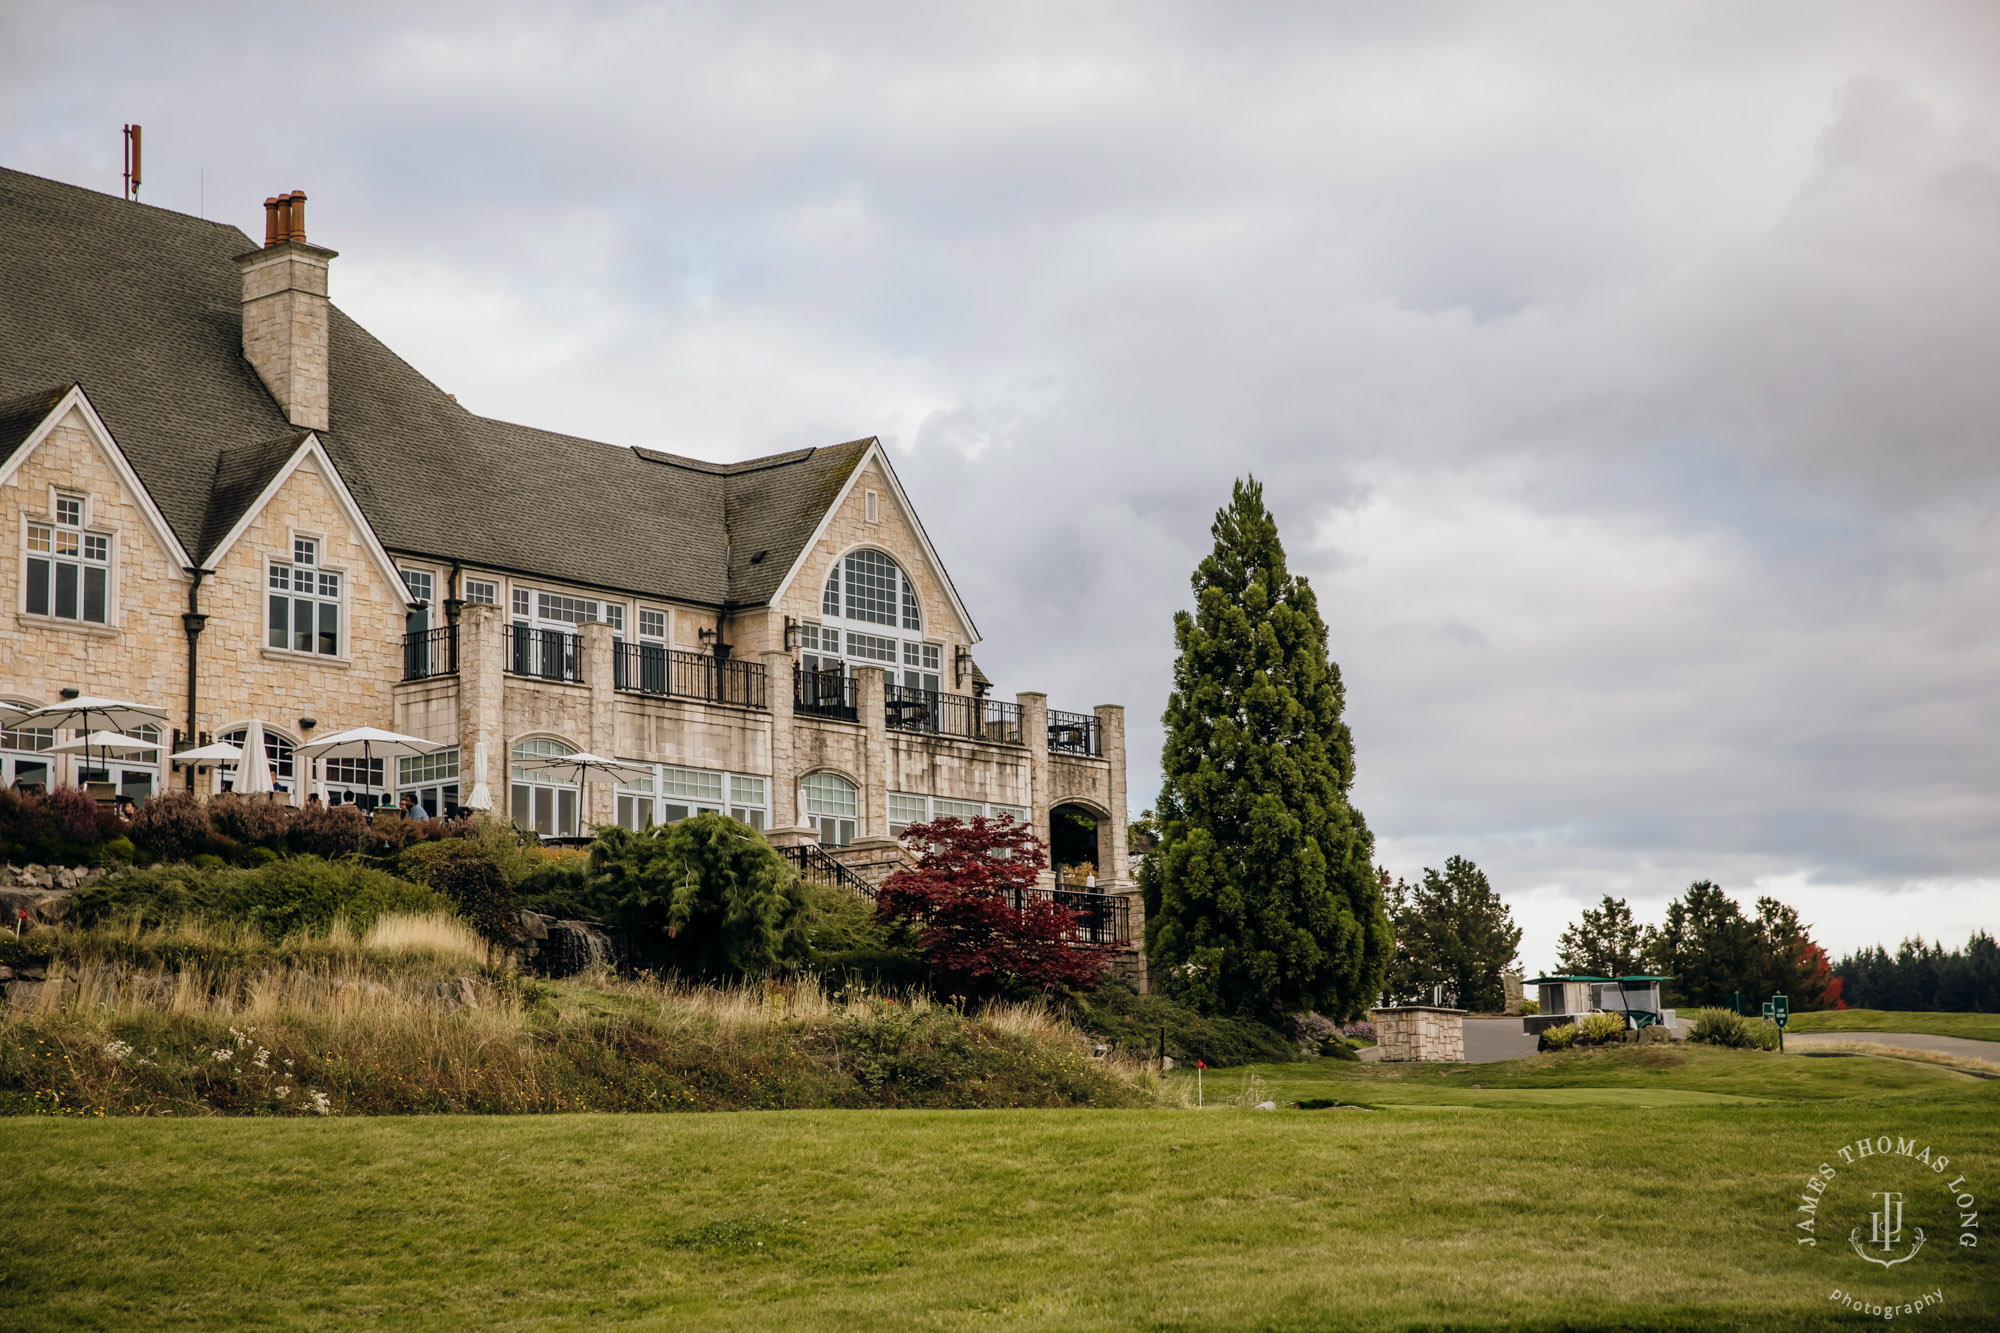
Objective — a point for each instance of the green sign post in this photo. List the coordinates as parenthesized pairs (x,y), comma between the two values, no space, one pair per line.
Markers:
(1778,1010)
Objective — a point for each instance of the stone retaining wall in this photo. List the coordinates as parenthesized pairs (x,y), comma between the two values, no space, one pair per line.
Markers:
(1420,1033)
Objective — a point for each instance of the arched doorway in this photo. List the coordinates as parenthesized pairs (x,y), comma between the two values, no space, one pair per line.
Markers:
(1073,844)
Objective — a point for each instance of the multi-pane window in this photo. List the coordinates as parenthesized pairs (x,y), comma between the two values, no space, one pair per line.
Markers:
(432,778)
(354,772)
(482,592)
(832,805)
(542,801)
(653,625)
(551,606)
(874,587)
(305,603)
(920,666)
(521,603)
(872,647)
(23,767)
(420,583)
(69,570)
(685,792)
(906,809)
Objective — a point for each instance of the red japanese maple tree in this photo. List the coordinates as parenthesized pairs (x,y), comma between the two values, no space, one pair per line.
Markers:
(980,921)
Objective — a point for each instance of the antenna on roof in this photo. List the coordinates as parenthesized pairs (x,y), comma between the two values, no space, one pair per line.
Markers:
(131,161)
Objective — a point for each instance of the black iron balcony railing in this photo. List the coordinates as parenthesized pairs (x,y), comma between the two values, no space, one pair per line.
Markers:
(823,694)
(943,714)
(430,652)
(1101,918)
(1074,733)
(548,654)
(816,867)
(646,668)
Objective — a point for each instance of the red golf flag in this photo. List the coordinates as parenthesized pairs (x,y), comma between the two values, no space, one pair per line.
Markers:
(1201,1064)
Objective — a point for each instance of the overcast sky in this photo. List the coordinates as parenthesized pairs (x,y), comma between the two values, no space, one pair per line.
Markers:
(1622,376)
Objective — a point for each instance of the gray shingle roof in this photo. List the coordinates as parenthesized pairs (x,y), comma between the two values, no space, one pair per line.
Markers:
(142,307)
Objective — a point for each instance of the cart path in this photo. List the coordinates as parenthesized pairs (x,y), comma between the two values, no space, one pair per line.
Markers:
(1919,1041)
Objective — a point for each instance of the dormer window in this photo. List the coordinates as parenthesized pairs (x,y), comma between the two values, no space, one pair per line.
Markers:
(68,569)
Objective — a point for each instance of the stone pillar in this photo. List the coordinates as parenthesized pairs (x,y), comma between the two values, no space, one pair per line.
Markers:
(1113,852)
(600,735)
(869,697)
(1035,735)
(784,763)
(482,684)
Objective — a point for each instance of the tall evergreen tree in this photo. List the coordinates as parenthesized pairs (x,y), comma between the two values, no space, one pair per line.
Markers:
(1453,931)
(1607,942)
(1261,899)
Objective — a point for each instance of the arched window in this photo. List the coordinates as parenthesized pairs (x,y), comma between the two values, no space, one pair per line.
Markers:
(868,589)
(542,801)
(831,805)
(279,750)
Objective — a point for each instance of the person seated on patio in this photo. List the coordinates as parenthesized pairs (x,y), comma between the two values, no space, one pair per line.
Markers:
(312,800)
(411,810)
(125,808)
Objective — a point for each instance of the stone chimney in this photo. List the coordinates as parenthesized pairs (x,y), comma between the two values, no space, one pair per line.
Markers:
(285,312)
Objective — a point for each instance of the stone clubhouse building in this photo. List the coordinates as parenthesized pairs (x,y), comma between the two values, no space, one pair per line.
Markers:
(228,501)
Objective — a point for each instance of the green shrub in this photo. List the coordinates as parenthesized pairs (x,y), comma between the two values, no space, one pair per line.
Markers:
(1531,1007)
(480,892)
(257,856)
(1559,1038)
(118,851)
(849,946)
(1132,1022)
(276,898)
(1596,1028)
(1724,1027)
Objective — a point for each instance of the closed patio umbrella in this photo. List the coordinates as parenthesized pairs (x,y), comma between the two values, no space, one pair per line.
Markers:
(253,775)
(583,767)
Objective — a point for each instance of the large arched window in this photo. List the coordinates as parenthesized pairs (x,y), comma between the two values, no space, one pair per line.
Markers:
(543,802)
(284,766)
(875,618)
(832,804)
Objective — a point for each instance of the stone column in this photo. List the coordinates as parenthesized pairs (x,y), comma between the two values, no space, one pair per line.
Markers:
(600,735)
(1113,852)
(869,697)
(1035,735)
(482,684)
(784,763)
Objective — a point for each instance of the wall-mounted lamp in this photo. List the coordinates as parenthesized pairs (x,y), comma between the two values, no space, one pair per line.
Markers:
(69,692)
(308,723)
(705,635)
(960,658)
(791,633)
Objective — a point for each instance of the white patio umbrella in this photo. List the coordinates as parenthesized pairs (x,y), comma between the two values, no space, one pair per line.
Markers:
(253,775)
(111,744)
(88,714)
(368,743)
(216,755)
(583,767)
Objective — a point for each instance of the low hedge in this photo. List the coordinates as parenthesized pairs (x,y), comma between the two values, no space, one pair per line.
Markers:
(1724,1027)
(304,892)
(1133,1023)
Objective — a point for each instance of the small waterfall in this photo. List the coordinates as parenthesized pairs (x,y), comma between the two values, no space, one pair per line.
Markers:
(573,947)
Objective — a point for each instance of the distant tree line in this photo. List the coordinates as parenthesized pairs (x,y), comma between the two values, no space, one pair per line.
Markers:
(1710,948)
(1924,976)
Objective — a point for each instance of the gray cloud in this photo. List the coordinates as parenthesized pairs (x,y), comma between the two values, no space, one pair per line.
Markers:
(1620,375)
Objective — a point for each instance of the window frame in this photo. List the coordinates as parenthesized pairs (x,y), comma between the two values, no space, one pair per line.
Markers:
(929,806)
(81,535)
(317,597)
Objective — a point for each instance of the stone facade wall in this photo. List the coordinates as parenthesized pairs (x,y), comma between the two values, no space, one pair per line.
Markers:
(243,677)
(285,324)
(141,653)
(1420,1032)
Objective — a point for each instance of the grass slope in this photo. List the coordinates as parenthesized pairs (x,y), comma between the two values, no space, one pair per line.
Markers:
(1555,1217)
(1976,1027)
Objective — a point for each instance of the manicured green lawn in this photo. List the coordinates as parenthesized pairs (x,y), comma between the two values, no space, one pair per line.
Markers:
(1977,1027)
(1562,1201)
